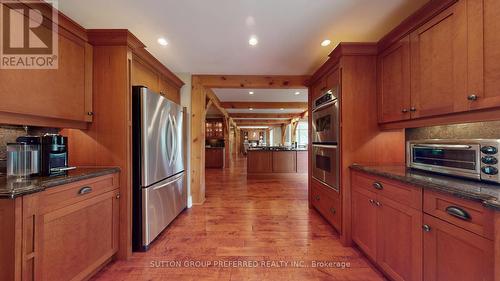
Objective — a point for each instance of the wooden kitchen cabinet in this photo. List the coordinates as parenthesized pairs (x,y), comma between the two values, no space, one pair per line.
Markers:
(327,202)
(169,91)
(387,225)
(439,64)
(399,240)
(259,161)
(284,161)
(364,222)
(393,76)
(59,97)
(452,253)
(66,232)
(484,54)
(144,75)
(214,157)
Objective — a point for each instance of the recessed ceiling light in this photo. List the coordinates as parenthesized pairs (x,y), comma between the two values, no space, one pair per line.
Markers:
(253,41)
(162,41)
(250,93)
(326,42)
(250,109)
(297,93)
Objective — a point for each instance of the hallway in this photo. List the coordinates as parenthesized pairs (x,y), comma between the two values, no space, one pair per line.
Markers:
(253,221)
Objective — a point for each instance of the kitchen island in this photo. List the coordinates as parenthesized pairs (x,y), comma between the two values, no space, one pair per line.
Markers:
(276,163)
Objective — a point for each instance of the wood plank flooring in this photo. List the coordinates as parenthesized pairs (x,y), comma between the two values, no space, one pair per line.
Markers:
(246,230)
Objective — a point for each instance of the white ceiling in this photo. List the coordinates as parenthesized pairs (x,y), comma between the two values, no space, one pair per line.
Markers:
(261,95)
(211,37)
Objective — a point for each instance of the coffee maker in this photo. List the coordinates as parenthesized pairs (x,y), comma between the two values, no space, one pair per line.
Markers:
(53,153)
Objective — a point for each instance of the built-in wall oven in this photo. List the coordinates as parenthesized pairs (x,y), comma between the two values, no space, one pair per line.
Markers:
(325,146)
(470,158)
(326,165)
(325,118)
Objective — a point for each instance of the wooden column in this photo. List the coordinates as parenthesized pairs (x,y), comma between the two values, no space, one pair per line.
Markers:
(283,134)
(294,131)
(198,107)
(227,150)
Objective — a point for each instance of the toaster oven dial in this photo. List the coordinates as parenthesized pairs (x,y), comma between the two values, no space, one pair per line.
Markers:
(489,160)
(489,150)
(489,170)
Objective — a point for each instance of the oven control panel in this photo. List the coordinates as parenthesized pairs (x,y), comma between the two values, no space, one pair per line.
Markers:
(489,161)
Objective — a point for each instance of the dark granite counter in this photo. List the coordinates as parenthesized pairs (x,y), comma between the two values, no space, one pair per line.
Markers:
(11,188)
(486,193)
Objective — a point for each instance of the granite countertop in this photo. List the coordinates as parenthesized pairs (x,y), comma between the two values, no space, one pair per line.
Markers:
(486,193)
(11,188)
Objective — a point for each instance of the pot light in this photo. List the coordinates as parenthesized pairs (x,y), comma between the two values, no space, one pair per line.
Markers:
(250,93)
(162,41)
(250,109)
(297,93)
(253,41)
(326,42)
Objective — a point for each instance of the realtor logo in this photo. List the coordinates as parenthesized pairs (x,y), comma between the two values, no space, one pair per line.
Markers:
(28,33)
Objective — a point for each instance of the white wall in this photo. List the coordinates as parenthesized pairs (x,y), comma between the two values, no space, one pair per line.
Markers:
(186,102)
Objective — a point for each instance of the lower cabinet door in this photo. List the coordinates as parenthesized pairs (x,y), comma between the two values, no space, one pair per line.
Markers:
(399,240)
(75,240)
(452,253)
(364,221)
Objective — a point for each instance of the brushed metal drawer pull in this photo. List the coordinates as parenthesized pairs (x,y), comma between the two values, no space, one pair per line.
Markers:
(378,185)
(84,190)
(458,213)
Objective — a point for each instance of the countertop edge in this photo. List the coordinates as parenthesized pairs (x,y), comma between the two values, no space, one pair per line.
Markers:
(487,201)
(51,183)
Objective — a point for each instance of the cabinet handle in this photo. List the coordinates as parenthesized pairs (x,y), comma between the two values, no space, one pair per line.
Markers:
(378,186)
(472,97)
(333,211)
(84,190)
(458,213)
(413,109)
(426,228)
(404,110)
(371,201)
(90,113)
(317,197)
(378,204)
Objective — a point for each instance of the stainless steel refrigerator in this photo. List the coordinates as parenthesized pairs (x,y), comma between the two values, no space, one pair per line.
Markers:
(159,189)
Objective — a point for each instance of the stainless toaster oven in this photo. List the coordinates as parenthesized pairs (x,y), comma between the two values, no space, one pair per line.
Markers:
(471,158)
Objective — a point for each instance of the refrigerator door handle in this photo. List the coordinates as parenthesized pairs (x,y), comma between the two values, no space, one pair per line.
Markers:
(163,185)
(172,144)
(175,137)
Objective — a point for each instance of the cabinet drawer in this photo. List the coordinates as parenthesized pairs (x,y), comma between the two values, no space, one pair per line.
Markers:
(327,202)
(397,191)
(64,195)
(466,214)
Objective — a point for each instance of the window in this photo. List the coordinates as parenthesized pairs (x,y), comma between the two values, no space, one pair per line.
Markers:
(302,132)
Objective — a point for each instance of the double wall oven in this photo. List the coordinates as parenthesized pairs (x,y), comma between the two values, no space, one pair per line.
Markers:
(325,145)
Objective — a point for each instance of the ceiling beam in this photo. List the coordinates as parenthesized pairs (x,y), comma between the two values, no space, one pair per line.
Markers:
(263,115)
(261,122)
(254,81)
(264,105)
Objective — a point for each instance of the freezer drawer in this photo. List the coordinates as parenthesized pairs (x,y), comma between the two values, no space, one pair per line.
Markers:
(161,203)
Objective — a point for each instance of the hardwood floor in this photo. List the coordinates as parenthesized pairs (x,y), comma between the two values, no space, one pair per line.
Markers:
(262,222)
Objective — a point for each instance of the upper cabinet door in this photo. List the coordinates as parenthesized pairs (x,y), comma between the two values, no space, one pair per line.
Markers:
(143,75)
(64,93)
(439,63)
(394,82)
(484,54)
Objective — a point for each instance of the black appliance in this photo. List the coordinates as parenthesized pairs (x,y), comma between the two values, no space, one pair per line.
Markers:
(54,155)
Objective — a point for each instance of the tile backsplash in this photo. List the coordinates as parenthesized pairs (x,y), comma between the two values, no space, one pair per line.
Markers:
(479,130)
